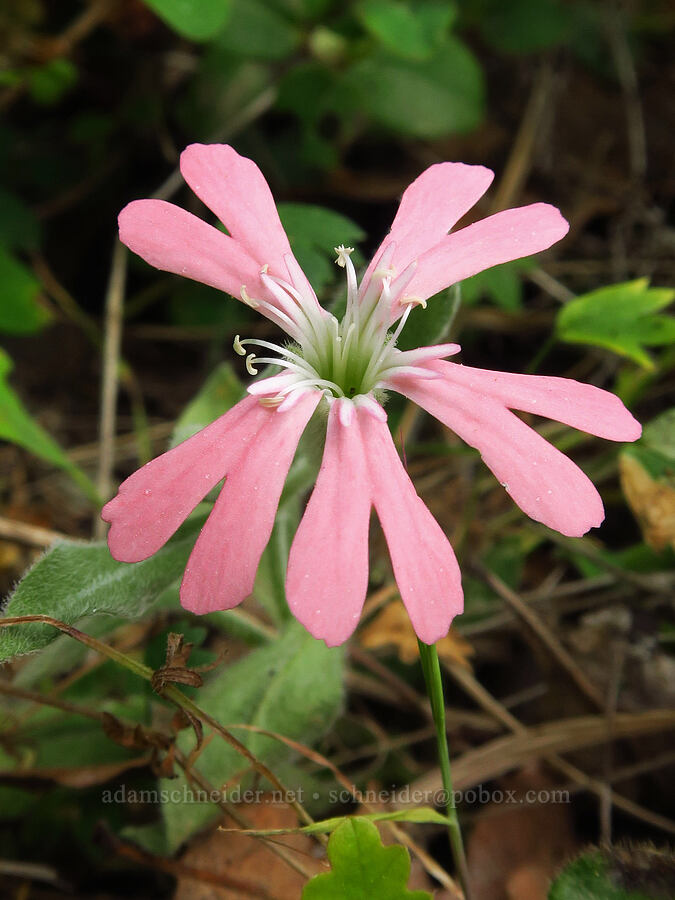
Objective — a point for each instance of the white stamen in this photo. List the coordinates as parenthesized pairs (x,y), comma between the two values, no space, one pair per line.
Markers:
(250,368)
(238,348)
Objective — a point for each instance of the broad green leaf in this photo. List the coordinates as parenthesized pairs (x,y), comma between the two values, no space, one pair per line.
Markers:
(432,325)
(257,30)
(313,233)
(220,392)
(441,95)
(73,580)
(621,318)
(362,868)
(624,873)
(503,285)
(17,426)
(20,310)
(293,685)
(19,227)
(197,20)
(397,27)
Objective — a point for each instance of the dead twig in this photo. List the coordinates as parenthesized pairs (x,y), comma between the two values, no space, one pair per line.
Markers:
(25,533)
(111,359)
(544,633)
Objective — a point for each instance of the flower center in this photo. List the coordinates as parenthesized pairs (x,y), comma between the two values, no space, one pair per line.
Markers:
(350,358)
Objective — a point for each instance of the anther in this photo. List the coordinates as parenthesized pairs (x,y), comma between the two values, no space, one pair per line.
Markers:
(342,254)
(238,346)
(250,368)
(248,300)
(413,301)
(387,272)
(264,269)
(271,402)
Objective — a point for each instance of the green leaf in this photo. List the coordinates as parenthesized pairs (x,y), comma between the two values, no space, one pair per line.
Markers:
(19,227)
(655,451)
(620,318)
(48,83)
(293,685)
(432,325)
(525,26)
(73,580)
(623,873)
(197,20)
(259,31)
(503,285)
(397,27)
(219,393)
(17,426)
(313,232)
(441,95)
(20,311)
(361,868)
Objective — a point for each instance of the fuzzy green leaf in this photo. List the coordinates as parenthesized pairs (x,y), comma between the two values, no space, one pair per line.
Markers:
(361,868)
(293,685)
(630,873)
(621,318)
(73,580)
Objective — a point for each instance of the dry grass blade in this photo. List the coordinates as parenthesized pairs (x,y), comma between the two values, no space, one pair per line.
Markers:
(498,756)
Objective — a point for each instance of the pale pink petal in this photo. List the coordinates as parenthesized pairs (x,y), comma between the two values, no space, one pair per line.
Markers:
(544,483)
(153,502)
(235,189)
(579,405)
(222,567)
(501,238)
(424,564)
(173,240)
(429,207)
(328,565)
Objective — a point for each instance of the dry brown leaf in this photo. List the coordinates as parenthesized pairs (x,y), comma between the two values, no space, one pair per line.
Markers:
(391,627)
(515,849)
(247,858)
(652,502)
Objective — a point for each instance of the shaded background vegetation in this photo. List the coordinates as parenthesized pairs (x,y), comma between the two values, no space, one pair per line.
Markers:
(341,104)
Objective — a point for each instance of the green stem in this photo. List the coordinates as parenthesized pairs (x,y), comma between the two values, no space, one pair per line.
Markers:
(434,682)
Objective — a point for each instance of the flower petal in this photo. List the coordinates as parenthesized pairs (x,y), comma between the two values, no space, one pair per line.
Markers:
(153,502)
(173,240)
(328,564)
(222,567)
(424,564)
(429,207)
(581,406)
(544,483)
(501,238)
(235,189)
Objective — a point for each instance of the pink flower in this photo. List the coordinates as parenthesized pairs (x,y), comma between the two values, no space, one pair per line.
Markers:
(344,368)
